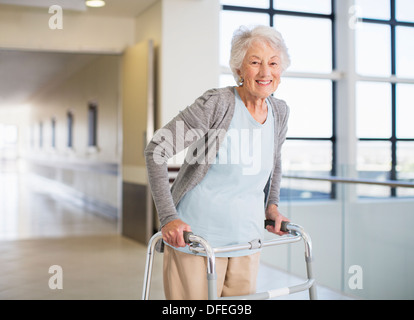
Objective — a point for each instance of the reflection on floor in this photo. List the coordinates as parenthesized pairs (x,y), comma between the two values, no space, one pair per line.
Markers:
(38,232)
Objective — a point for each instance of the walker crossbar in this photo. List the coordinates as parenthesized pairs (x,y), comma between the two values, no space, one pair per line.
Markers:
(200,246)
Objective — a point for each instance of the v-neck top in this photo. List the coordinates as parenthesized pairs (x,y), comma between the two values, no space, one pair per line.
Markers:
(227,206)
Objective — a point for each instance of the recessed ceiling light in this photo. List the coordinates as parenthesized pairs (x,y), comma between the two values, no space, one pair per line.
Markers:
(95,3)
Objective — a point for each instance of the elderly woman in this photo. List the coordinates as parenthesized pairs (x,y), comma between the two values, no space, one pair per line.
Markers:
(230,179)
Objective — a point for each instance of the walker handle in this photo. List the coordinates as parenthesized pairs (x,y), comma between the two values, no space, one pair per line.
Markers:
(186,235)
(283,226)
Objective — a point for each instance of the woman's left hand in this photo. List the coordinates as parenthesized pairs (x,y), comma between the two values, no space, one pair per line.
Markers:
(273,213)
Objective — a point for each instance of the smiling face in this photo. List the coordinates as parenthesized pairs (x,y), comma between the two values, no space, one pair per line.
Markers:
(261,70)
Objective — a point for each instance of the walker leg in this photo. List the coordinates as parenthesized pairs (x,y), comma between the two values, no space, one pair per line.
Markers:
(312,289)
(148,265)
(211,265)
(308,256)
(212,286)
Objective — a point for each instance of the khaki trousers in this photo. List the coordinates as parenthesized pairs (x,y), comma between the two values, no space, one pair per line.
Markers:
(185,275)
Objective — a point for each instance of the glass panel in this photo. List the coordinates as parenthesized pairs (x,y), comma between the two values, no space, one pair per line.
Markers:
(373,108)
(405,111)
(405,51)
(373,50)
(373,9)
(373,163)
(405,156)
(264,4)
(314,6)
(306,158)
(405,166)
(310,102)
(294,189)
(372,248)
(230,21)
(354,244)
(405,10)
(310,46)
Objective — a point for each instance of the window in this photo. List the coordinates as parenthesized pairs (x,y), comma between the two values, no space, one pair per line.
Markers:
(92,125)
(69,118)
(308,52)
(53,126)
(9,135)
(385,92)
(311,47)
(40,134)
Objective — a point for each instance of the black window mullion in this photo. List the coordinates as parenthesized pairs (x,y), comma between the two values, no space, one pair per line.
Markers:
(271,15)
(272,12)
(334,92)
(246,9)
(393,173)
(334,170)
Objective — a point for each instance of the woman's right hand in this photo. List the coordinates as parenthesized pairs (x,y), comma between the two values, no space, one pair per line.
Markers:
(172,233)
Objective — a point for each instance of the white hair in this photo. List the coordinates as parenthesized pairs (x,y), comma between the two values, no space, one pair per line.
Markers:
(243,38)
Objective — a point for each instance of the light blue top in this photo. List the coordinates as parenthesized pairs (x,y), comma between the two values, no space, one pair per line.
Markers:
(227,206)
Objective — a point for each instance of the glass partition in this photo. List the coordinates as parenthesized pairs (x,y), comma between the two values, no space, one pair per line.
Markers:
(363,246)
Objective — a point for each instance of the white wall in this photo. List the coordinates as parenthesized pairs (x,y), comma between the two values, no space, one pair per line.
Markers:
(186,40)
(189,59)
(148,25)
(20,29)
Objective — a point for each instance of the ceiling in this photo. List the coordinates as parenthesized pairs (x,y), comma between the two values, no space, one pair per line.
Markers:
(119,8)
(22,73)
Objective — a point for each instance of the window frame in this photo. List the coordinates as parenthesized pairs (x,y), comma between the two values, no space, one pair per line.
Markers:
(334,75)
(69,118)
(393,80)
(53,132)
(92,125)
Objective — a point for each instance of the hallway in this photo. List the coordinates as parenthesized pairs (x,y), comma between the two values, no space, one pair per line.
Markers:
(38,230)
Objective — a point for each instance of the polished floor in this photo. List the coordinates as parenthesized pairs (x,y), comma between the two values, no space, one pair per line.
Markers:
(39,231)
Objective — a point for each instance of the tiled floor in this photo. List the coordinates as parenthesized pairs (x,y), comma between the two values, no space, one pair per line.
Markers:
(39,231)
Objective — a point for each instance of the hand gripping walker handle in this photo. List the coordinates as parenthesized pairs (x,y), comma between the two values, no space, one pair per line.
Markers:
(283,227)
(186,235)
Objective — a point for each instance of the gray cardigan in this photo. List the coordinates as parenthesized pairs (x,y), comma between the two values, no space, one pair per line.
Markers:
(210,115)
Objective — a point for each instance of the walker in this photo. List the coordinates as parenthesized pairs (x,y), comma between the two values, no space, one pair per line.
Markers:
(200,245)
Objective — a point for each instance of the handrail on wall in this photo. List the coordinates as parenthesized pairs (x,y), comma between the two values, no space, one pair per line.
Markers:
(173,170)
(388,183)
